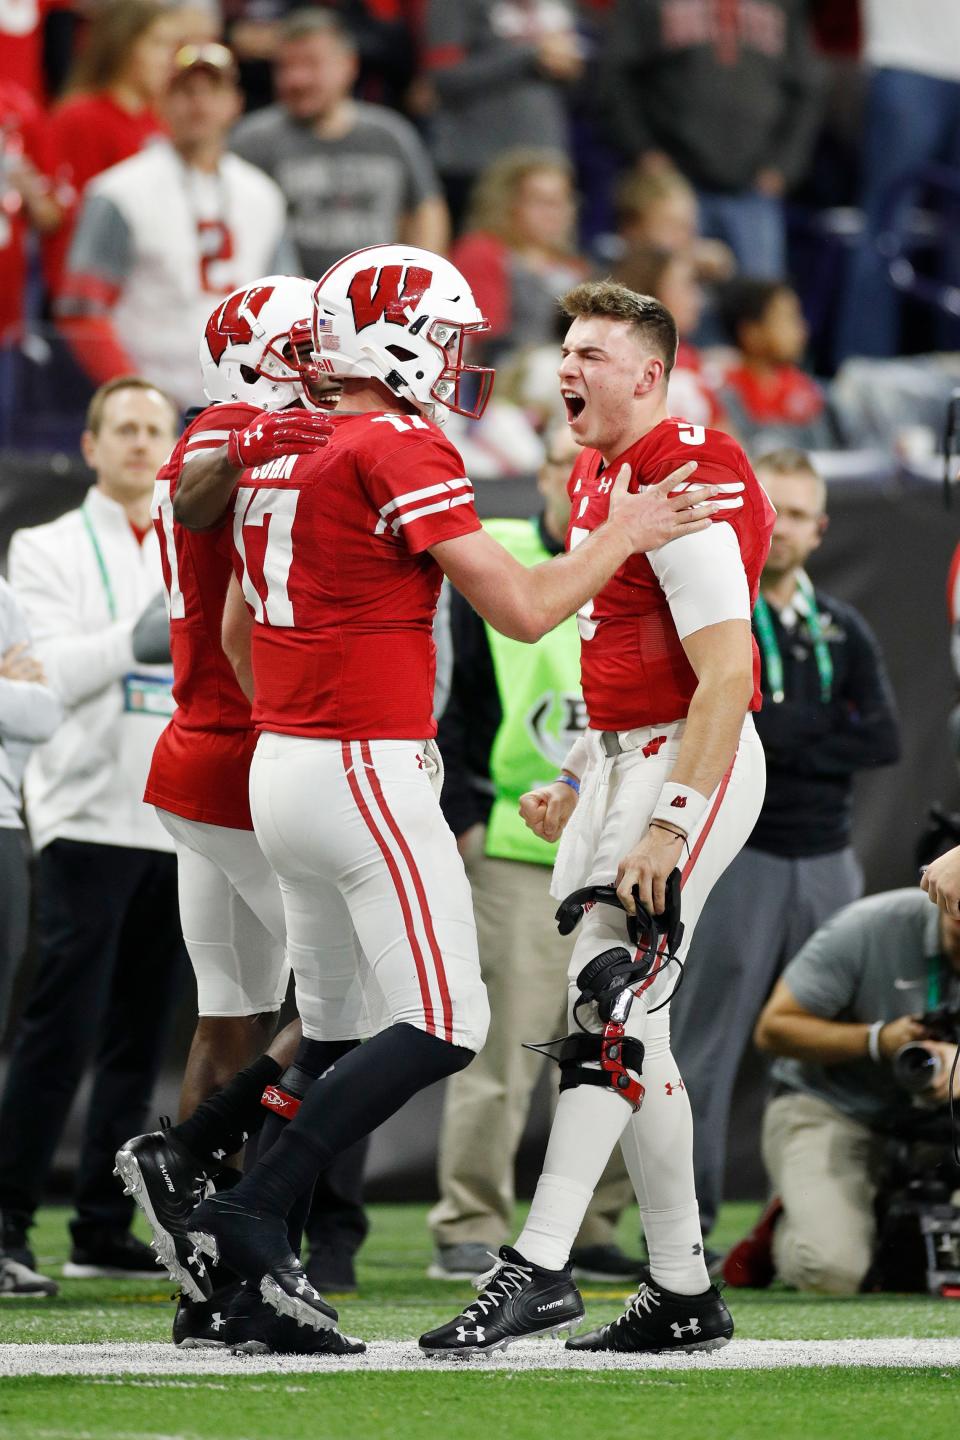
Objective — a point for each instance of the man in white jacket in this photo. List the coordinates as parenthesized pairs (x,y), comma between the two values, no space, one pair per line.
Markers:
(29,714)
(109,949)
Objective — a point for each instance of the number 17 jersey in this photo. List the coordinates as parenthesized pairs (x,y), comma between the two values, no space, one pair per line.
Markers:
(332,552)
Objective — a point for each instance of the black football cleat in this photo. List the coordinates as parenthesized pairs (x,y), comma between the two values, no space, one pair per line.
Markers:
(658,1320)
(253,1328)
(167,1182)
(517,1301)
(201,1324)
(257,1248)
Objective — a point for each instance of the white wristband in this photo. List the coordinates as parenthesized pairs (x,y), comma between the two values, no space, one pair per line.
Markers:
(679,805)
(873,1041)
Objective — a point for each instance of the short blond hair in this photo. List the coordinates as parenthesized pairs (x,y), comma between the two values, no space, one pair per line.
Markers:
(789,460)
(648,317)
(636,195)
(98,401)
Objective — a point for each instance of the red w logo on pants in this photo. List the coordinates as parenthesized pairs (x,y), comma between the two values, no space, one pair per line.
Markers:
(387,294)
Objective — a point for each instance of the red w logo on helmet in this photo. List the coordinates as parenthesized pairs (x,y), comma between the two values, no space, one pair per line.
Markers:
(394,294)
(231,323)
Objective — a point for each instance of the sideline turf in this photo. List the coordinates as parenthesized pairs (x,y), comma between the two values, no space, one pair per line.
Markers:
(397,1301)
(783,1405)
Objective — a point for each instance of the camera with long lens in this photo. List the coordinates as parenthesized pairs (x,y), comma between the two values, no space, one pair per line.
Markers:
(914,1066)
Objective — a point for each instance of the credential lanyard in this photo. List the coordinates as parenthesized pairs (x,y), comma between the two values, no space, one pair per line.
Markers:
(101,563)
(934,980)
(773,660)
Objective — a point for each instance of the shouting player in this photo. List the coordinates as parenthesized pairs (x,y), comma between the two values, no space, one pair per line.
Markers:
(341,555)
(230,905)
(660,795)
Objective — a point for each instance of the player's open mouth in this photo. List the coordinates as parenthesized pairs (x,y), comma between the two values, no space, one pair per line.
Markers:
(574,404)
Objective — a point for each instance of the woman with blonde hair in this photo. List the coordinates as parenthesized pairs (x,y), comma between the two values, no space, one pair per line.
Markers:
(518,252)
(111,105)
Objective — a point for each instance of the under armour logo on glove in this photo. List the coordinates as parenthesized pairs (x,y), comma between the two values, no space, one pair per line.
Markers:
(286,432)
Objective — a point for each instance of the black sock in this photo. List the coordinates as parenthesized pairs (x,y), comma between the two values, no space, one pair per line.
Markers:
(362,1090)
(221,1123)
(312,1059)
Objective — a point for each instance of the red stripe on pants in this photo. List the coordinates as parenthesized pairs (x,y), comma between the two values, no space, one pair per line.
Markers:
(425,915)
(398,886)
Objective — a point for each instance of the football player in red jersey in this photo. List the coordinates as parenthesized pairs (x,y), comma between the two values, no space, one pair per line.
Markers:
(654,800)
(230,904)
(340,557)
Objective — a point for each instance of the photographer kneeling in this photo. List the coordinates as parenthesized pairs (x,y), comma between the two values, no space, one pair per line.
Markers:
(860,990)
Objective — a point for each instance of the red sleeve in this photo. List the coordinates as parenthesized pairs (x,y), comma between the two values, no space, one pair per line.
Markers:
(417,485)
(212,428)
(483,261)
(97,347)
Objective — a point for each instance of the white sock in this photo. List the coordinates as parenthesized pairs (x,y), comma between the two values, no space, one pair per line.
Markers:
(588,1123)
(658,1149)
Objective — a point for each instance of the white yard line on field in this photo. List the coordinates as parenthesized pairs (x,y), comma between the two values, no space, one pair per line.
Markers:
(163,1359)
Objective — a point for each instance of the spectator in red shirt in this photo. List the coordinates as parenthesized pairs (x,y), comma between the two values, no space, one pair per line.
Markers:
(23,36)
(672,279)
(110,113)
(26,197)
(518,251)
(770,399)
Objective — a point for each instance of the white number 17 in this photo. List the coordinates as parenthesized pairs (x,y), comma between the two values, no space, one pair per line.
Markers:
(273,510)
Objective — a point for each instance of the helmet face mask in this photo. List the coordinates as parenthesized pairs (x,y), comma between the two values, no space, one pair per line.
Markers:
(457,379)
(401,316)
(246,353)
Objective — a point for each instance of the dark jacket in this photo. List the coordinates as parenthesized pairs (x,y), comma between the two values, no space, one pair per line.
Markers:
(725,91)
(814,749)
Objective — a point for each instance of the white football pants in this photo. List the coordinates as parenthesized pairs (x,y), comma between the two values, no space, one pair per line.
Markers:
(231,914)
(371,879)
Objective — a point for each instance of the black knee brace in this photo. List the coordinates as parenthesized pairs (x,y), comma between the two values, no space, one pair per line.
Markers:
(607,981)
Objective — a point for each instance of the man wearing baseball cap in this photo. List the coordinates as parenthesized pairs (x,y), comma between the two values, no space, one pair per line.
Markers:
(162,234)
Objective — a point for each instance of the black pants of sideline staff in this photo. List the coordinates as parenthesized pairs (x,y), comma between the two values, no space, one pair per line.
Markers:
(110,963)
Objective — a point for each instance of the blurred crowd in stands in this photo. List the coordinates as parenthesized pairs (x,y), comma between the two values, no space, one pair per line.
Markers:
(783,173)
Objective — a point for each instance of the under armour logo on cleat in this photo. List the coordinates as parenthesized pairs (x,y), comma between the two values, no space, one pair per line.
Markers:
(463,1334)
(216,1323)
(692,1329)
(303,1285)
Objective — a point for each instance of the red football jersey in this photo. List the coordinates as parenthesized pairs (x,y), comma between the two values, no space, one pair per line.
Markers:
(331,550)
(201,762)
(634,668)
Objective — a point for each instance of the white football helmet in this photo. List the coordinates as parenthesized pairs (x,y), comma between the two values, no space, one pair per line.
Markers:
(246,351)
(400,315)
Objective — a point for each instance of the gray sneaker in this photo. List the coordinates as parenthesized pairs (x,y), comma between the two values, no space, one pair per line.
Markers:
(461,1262)
(19,1282)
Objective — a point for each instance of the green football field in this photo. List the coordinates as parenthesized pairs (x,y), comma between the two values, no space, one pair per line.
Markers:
(807,1381)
